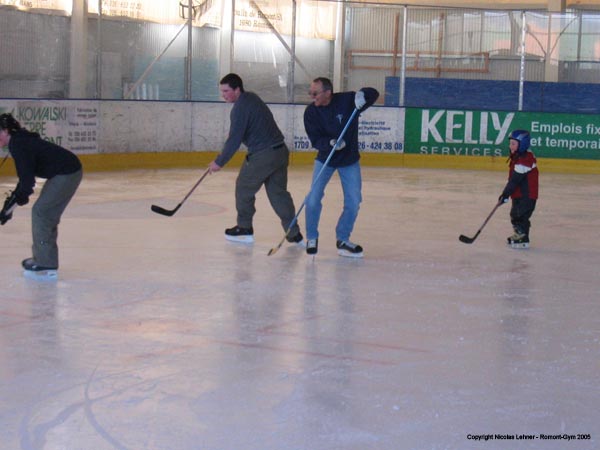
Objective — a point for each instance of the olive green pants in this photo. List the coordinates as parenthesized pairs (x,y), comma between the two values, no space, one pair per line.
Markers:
(268,167)
(46,213)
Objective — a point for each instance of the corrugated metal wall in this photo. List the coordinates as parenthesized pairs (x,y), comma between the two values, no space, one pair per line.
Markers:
(441,43)
(35,54)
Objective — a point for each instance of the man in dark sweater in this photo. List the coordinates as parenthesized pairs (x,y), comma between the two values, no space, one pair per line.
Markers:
(266,163)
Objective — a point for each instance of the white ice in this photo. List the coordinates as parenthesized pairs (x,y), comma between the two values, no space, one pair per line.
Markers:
(159,334)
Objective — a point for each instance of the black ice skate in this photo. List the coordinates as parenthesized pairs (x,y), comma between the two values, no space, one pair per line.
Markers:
(296,239)
(312,246)
(35,271)
(238,234)
(349,249)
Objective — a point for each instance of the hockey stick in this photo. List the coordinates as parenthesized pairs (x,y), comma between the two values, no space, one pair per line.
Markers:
(470,240)
(170,212)
(333,150)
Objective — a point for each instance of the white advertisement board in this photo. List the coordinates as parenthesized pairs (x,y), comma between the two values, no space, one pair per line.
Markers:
(89,126)
(70,124)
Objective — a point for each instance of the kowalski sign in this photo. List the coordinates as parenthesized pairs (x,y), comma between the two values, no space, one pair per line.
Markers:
(73,124)
(485,133)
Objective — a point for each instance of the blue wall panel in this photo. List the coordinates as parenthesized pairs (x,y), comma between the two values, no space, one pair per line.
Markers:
(495,95)
(562,97)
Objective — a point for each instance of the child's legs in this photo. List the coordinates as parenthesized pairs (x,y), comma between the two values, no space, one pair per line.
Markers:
(520,213)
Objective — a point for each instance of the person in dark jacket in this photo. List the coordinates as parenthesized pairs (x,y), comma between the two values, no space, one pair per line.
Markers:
(36,157)
(324,120)
(522,187)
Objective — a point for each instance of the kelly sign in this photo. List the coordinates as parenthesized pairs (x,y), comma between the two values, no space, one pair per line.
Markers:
(485,133)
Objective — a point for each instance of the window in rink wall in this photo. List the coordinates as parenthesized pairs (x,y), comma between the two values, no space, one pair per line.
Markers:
(440,44)
(471,44)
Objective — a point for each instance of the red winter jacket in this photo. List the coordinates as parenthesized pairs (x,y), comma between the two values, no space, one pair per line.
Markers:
(522,177)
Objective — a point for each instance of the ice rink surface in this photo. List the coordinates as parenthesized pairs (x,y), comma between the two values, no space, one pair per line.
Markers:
(161,335)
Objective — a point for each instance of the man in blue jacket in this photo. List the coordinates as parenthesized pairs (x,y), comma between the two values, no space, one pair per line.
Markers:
(324,120)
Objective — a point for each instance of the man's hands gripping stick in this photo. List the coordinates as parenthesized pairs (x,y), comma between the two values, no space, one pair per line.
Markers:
(339,147)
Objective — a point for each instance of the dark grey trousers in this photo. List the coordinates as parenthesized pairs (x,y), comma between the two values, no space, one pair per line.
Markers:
(268,167)
(46,213)
(520,213)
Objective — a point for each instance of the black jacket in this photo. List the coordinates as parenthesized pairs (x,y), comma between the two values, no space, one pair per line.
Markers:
(36,157)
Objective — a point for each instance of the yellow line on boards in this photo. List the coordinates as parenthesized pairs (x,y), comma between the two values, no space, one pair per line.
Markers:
(168,160)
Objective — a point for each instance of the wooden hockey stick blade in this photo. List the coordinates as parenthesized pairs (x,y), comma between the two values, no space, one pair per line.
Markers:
(277,247)
(163,211)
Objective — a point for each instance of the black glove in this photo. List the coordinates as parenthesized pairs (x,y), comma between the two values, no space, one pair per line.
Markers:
(503,198)
(21,201)
(7,209)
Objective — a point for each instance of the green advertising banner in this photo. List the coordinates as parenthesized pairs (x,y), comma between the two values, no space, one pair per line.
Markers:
(485,133)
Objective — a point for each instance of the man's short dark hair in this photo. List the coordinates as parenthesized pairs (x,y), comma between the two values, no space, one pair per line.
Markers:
(325,82)
(233,80)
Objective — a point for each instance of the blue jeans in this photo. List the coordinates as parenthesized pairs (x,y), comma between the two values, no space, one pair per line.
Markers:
(351,186)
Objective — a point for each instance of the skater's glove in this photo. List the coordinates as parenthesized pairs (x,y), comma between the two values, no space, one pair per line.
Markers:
(341,146)
(17,196)
(503,198)
(359,100)
(22,200)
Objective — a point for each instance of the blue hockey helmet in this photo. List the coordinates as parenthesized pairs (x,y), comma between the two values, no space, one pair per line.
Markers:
(523,138)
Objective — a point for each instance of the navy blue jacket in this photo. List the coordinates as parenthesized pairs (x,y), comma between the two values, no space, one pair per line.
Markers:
(324,123)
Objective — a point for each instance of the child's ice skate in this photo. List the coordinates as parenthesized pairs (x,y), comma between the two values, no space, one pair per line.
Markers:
(518,240)
(36,272)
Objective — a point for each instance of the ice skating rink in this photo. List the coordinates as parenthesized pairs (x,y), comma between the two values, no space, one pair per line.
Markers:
(161,335)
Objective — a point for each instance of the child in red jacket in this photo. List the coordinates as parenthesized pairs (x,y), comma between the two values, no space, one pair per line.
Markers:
(522,187)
